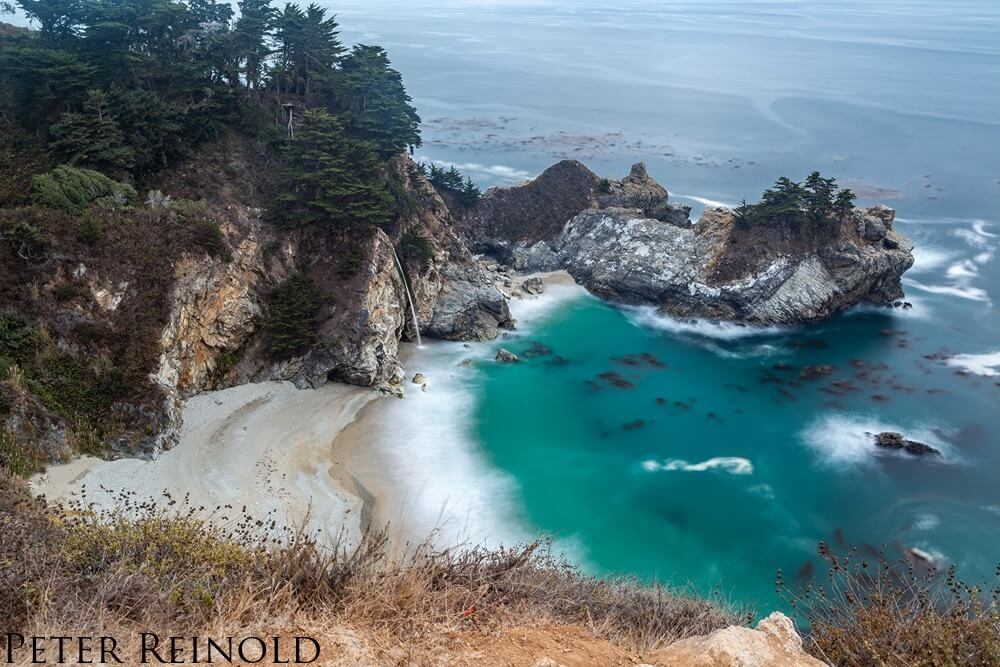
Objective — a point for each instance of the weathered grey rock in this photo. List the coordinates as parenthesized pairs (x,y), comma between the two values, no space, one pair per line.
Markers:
(506,356)
(774,643)
(534,285)
(513,223)
(620,255)
(874,229)
(468,306)
(419,378)
(893,440)
(456,295)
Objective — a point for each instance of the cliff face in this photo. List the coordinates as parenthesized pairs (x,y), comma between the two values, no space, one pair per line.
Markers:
(713,268)
(213,336)
(171,299)
(508,220)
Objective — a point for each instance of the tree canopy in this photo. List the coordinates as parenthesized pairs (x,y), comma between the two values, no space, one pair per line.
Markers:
(129,87)
(816,201)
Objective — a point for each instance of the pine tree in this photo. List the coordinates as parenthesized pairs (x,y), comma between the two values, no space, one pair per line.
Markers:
(330,178)
(93,138)
(844,203)
(370,98)
(819,196)
(250,35)
(291,319)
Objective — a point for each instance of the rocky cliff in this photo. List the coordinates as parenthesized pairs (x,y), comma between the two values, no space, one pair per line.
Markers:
(170,299)
(652,254)
(213,335)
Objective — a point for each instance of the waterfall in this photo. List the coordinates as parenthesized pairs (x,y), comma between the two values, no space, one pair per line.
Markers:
(409,297)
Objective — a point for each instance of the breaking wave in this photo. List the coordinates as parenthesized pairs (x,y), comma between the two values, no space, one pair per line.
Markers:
(734,465)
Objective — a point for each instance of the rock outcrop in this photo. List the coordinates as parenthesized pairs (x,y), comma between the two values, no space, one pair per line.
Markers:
(507,222)
(212,337)
(763,274)
(774,643)
(893,440)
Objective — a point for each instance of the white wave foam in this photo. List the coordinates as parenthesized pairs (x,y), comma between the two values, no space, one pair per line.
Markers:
(979,226)
(973,238)
(980,364)
(530,311)
(438,478)
(647,316)
(845,440)
(438,473)
(926,521)
(919,308)
(734,465)
(961,291)
(928,258)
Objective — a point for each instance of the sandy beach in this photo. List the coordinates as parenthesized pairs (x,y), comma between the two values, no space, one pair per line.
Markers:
(269,447)
(333,460)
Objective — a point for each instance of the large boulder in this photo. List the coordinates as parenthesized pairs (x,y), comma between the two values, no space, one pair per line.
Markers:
(774,643)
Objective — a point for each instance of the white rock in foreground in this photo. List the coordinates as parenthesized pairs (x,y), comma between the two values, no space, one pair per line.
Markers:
(774,643)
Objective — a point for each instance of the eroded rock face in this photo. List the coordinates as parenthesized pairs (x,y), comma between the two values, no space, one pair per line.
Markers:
(621,255)
(508,222)
(774,643)
(627,242)
(456,295)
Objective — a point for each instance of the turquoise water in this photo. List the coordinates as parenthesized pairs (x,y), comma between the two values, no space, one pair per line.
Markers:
(590,437)
(742,465)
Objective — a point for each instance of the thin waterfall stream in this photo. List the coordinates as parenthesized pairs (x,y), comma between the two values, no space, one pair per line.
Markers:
(409,297)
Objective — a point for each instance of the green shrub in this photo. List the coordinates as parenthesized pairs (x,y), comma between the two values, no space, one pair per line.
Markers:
(72,189)
(291,319)
(18,338)
(604,186)
(209,236)
(90,229)
(415,245)
(8,398)
(25,239)
(65,293)
(16,459)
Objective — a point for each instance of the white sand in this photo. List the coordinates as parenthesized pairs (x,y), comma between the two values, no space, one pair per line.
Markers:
(268,446)
(332,460)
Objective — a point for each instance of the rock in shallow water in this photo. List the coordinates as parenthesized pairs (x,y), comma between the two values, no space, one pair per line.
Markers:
(506,356)
(893,440)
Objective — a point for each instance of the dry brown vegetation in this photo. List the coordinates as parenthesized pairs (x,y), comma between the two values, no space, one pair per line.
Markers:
(150,565)
(902,613)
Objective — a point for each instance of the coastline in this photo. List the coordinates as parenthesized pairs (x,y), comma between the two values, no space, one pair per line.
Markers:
(266,447)
(322,459)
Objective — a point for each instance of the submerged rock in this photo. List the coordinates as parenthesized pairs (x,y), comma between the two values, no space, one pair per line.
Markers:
(893,440)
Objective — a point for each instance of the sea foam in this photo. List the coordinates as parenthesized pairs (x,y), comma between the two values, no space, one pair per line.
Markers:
(846,440)
(647,316)
(981,364)
(734,465)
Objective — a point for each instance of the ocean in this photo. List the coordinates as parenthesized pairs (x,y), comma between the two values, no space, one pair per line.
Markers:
(699,454)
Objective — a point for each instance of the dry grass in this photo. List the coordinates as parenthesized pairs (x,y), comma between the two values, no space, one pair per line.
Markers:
(903,613)
(156,566)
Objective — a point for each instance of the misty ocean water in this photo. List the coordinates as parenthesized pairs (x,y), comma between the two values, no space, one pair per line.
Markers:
(696,453)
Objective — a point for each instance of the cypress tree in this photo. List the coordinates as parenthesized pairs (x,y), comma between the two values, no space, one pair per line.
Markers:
(291,319)
(330,178)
